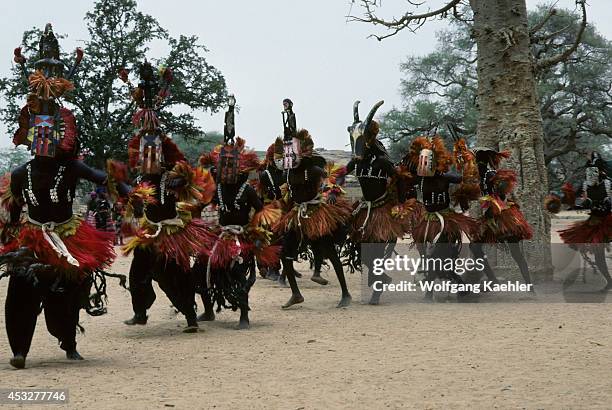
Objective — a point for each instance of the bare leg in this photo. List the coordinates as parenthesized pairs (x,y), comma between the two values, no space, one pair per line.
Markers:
(602,265)
(517,255)
(289,273)
(209,312)
(244,322)
(21,311)
(386,253)
(478,252)
(318,263)
(325,247)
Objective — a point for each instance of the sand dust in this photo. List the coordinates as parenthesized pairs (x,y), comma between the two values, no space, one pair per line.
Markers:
(424,356)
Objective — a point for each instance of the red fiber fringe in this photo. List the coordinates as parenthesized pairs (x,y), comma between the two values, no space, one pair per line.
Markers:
(192,240)
(227,248)
(70,131)
(569,194)
(510,222)
(596,229)
(504,181)
(93,249)
(552,203)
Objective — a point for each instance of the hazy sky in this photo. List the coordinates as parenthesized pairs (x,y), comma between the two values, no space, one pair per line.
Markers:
(269,50)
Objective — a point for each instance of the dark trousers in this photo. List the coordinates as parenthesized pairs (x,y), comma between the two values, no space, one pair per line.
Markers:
(147,266)
(24,302)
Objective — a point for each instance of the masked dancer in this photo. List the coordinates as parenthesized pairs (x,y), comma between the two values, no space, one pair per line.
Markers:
(167,191)
(502,220)
(438,230)
(52,255)
(243,235)
(380,216)
(312,220)
(595,233)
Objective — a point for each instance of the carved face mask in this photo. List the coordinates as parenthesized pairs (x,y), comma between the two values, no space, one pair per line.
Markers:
(358,139)
(291,154)
(229,165)
(425,167)
(44,135)
(592,176)
(151,153)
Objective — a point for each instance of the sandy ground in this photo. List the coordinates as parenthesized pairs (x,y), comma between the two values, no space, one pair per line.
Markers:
(424,356)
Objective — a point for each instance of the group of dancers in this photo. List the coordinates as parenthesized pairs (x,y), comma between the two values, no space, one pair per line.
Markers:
(56,260)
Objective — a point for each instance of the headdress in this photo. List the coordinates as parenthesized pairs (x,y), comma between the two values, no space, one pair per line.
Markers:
(363,134)
(295,144)
(490,156)
(288,154)
(232,160)
(47,128)
(428,156)
(150,149)
(269,158)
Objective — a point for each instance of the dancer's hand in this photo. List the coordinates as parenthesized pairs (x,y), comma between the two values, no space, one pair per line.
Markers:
(332,198)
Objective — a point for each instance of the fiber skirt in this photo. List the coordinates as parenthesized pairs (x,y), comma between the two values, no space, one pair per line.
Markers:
(226,274)
(383,223)
(318,220)
(455,224)
(92,249)
(509,223)
(596,229)
(175,242)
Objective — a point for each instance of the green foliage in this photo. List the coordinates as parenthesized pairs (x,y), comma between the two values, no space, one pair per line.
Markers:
(10,158)
(120,36)
(194,147)
(575,95)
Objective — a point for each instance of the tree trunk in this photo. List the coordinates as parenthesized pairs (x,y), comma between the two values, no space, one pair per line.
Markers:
(509,113)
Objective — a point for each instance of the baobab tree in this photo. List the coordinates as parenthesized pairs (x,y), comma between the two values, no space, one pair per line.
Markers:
(507,101)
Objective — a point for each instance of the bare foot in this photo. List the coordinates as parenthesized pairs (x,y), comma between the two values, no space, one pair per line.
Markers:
(73,355)
(345,301)
(191,329)
(319,279)
(18,361)
(138,319)
(244,324)
(375,298)
(294,300)
(206,317)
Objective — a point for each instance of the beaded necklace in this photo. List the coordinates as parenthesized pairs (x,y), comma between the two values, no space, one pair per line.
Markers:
(53,192)
(222,206)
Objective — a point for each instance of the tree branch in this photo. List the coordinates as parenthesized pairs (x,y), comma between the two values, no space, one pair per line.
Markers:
(551,61)
(543,22)
(409,19)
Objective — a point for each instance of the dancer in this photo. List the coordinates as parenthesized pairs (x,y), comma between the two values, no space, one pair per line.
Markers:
(52,255)
(594,234)
(378,216)
(269,189)
(230,266)
(502,220)
(168,190)
(311,220)
(439,228)
(272,189)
